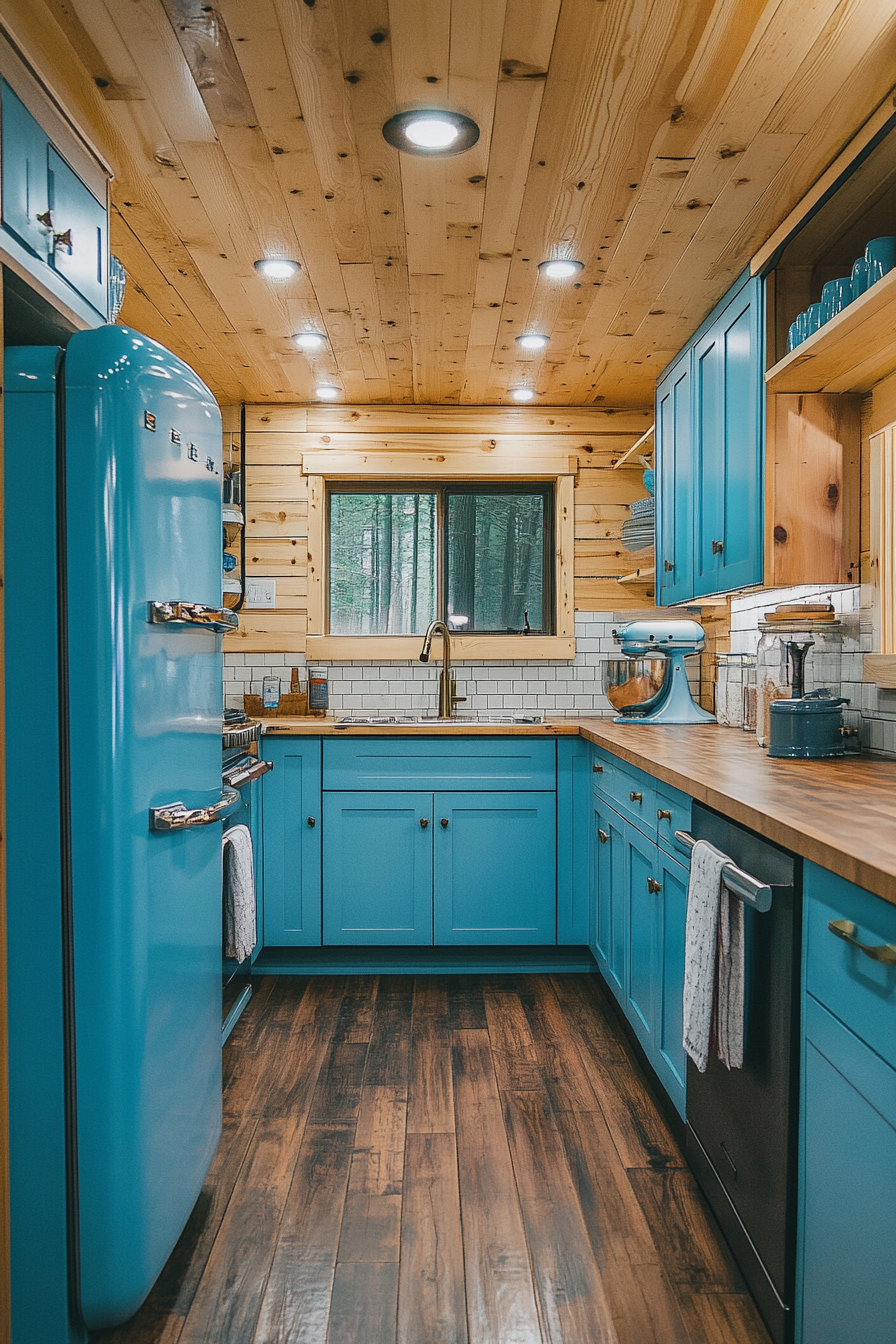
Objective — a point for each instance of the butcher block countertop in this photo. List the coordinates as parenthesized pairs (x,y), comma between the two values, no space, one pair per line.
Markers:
(839,813)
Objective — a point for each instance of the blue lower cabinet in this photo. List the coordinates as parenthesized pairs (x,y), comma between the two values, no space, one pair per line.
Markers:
(669,1022)
(638,926)
(642,920)
(609,869)
(292,843)
(495,860)
(378,868)
(574,775)
(846,1279)
(848,1230)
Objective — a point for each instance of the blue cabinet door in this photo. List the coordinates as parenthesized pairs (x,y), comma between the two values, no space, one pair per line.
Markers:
(728,440)
(378,868)
(80,218)
(292,843)
(848,1198)
(674,458)
(643,934)
(669,1022)
(609,869)
(25,193)
(495,868)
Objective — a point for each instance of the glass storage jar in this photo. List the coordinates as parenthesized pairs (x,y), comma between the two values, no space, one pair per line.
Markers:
(732,674)
(776,667)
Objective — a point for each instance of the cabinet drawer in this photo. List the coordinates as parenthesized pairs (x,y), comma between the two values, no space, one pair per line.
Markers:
(440,763)
(858,990)
(673,813)
(629,790)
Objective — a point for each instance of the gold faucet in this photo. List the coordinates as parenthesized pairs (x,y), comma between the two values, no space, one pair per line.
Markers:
(447,697)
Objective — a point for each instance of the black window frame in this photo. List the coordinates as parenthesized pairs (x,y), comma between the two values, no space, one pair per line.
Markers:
(443,490)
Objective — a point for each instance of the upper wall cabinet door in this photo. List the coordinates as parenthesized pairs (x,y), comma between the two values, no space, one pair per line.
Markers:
(728,442)
(675,485)
(80,226)
(26,199)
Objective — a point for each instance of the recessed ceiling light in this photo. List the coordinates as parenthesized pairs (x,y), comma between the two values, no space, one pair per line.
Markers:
(522,393)
(532,341)
(431,131)
(561,269)
(326,392)
(276,268)
(309,340)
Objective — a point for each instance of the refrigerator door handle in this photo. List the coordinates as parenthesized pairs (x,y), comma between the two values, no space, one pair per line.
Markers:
(177,817)
(219,619)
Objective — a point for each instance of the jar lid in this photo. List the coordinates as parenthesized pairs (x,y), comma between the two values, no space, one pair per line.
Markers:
(812,704)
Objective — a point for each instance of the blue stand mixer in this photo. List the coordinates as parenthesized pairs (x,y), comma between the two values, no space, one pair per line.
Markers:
(649,683)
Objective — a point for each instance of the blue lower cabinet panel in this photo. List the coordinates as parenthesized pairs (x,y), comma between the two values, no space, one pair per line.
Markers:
(292,842)
(495,868)
(643,922)
(608,871)
(669,1023)
(848,1284)
(378,868)
(573,848)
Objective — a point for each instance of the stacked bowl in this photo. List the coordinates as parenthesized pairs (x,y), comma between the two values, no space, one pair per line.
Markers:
(878,259)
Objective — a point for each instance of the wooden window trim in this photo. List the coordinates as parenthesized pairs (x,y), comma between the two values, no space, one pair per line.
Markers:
(323,467)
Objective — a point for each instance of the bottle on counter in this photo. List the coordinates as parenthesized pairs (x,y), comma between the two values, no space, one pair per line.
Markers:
(270,693)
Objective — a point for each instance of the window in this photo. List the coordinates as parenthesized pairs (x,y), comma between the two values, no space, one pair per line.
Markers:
(478,557)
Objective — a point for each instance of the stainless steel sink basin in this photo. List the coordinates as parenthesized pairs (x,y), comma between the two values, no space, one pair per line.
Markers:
(425,720)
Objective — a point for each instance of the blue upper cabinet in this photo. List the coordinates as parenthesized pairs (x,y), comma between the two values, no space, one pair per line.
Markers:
(674,484)
(53,223)
(710,454)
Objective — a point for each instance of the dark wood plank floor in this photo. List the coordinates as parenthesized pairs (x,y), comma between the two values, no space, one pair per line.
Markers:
(443,1160)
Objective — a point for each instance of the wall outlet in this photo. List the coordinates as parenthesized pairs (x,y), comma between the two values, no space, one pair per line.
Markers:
(261,593)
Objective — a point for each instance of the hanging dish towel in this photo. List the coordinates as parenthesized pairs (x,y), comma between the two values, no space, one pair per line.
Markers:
(729,1014)
(239,893)
(701,949)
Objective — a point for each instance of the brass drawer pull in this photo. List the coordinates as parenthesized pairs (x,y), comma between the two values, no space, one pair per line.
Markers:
(663,815)
(653,886)
(424,822)
(845,929)
(598,769)
(312,821)
(636,797)
(444,823)
(602,836)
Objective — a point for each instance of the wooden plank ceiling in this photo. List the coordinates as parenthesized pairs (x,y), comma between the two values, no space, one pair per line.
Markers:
(658,141)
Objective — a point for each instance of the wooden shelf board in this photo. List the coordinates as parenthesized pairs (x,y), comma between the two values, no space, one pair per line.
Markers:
(645,575)
(851,353)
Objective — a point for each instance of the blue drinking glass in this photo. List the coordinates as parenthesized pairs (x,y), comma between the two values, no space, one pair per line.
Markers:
(859,277)
(880,256)
(813,319)
(835,295)
(794,335)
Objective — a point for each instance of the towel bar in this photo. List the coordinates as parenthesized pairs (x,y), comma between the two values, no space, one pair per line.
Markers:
(748,889)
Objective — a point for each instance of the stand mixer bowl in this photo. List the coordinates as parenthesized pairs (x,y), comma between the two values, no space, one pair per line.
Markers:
(632,681)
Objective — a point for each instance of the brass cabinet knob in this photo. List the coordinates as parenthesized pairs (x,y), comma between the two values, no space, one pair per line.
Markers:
(46,219)
(653,886)
(663,815)
(424,822)
(312,821)
(62,242)
(668,566)
(718,547)
(598,769)
(444,823)
(637,797)
(602,836)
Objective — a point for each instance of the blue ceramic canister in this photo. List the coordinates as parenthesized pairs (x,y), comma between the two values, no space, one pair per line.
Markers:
(807,729)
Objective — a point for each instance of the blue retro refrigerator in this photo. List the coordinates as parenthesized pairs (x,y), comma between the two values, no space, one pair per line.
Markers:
(114,693)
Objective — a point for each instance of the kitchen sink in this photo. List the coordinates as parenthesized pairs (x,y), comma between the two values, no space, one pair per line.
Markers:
(392,720)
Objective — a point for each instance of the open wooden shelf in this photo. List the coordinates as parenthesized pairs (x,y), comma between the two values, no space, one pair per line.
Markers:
(647,574)
(851,353)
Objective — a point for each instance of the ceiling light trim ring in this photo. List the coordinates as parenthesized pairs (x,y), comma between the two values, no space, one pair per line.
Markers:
(269,267)
(552,268)
(533,340)
(395,132)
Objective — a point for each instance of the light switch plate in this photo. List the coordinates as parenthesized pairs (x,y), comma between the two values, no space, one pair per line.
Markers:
(261,593)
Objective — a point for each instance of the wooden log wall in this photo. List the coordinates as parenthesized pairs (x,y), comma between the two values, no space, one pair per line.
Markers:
(584,441)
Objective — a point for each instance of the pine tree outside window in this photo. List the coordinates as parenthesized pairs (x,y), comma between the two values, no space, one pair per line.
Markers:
(477,556)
